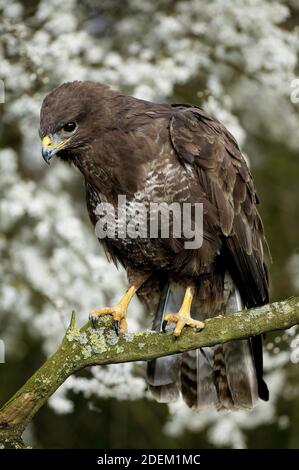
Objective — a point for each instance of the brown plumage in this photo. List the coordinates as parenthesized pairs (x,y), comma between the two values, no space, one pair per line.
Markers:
(174,153)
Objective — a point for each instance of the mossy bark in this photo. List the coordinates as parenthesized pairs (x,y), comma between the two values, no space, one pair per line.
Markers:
(86,347)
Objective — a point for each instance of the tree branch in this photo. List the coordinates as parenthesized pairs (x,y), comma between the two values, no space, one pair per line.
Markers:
(83,347)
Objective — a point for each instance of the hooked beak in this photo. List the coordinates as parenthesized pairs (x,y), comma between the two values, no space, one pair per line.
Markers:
(50,147)
(48,154)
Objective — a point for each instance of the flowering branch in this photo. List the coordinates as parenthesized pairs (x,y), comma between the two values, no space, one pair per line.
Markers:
(83,347)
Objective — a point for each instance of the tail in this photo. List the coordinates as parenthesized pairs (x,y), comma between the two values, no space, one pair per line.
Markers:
(223,376)
(162,373)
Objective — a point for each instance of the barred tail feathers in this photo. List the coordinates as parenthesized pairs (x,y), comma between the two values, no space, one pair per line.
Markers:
(222,376)
(163,373)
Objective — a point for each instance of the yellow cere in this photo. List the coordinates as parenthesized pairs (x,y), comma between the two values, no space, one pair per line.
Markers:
(47,142)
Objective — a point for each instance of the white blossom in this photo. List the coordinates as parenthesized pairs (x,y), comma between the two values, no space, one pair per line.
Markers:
(239,62)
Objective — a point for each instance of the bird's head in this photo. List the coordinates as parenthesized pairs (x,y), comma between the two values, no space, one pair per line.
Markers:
(68,117)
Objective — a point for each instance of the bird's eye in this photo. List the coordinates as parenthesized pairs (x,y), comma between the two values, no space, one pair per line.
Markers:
(69,127)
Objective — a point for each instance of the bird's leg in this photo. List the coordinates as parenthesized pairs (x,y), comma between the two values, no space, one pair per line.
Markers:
(118,312)
(183,317)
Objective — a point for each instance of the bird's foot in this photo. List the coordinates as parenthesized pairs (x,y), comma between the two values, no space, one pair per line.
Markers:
(181,319)
(118,313)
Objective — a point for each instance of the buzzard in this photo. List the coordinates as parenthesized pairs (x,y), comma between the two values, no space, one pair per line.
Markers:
(162,153)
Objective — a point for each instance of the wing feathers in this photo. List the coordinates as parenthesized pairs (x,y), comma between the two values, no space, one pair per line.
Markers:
(227,185)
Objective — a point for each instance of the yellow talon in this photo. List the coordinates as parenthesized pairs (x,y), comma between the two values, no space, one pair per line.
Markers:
(183,317)
(118,312)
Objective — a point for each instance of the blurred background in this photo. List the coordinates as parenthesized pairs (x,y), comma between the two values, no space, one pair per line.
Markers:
(238,60)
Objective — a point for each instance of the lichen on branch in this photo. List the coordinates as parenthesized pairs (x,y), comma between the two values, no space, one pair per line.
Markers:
(86,346)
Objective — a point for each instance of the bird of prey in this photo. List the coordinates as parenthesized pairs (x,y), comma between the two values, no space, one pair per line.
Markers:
(163,153)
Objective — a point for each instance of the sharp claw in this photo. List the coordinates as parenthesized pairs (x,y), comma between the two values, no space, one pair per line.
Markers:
(116,326)
(164,324)
(198,329)
(93,321)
